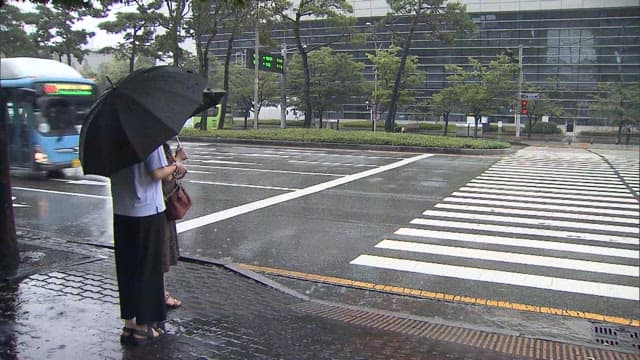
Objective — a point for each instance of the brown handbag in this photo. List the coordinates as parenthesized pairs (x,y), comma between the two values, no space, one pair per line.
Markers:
(178,202)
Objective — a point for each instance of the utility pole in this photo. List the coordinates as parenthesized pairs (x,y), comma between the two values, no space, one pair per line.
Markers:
(520,81)
(257,64)
(283,88)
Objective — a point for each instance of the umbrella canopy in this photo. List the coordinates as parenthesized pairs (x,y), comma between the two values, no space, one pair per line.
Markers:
(137,115)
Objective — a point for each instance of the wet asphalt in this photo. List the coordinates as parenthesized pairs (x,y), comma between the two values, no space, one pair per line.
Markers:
(63,304)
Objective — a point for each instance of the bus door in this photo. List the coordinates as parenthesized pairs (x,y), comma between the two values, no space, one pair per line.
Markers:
(20,125)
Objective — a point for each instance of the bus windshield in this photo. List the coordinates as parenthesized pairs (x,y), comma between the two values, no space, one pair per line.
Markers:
(61,107)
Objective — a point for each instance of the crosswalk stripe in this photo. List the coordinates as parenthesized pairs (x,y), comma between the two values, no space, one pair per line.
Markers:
(512,211)
(605,172)
(538,179)
(519,242)
(520,204)
(510,257)
(476,188)
(532,221)
(600,179)
(529,231)
(547,200)
(502,277)
(549,188)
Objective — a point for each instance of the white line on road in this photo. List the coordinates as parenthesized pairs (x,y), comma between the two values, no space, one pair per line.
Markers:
(597,206)
(243,209)
(502,277)
(519,242)
(553,186)
(329,163)
(62,193)
(528,231)
(259,170)
(575,224)
(545,206)
(484,189)
(543,180)
(511,257)
(512,211)
(242,185)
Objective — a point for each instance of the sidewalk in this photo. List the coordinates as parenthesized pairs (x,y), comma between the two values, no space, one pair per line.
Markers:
(66,307)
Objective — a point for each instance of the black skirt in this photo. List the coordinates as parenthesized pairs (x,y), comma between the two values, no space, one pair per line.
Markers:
(138,251)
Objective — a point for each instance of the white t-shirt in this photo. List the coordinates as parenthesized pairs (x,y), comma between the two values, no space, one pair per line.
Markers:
(133,190)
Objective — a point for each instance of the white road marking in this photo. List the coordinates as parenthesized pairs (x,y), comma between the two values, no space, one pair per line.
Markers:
(539,179)
(329,163)
(511,257)
(502,210)
(260,170)
(519,242)
(246,208)
(529,231)
(552,186)
(602,178)
(63,193)
(502,277)
(547,200)
(521,204)
(604,172)
(531,221)
(242,185)
(548,194)
(227,162)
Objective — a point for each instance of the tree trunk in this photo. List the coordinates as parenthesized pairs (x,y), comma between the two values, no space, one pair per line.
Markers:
(476,119)
(225,86)
(9,253)
(308,111)
(619,137)
(446,122)
(393,107)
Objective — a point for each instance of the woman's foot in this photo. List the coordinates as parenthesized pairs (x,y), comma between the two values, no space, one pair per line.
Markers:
(134,334)
(172,303)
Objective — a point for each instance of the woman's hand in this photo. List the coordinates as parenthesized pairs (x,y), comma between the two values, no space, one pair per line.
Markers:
(181,154)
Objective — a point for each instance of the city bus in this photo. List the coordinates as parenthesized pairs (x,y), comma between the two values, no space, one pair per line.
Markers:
(47,103)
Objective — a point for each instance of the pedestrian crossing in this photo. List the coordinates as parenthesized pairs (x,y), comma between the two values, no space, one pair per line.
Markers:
(558,220)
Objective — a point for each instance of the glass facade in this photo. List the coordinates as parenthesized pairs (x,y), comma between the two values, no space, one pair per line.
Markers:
(567,51)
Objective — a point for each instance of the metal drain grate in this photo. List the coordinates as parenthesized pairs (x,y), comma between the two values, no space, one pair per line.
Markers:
(622,337)
(510,344)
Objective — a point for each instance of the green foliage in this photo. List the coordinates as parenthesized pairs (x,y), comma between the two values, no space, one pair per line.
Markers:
(351,137)
(387,64)
(335,80)
(619,103)
(15,40)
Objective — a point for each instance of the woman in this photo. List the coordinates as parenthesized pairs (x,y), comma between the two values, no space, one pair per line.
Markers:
(138,230)
(171,250)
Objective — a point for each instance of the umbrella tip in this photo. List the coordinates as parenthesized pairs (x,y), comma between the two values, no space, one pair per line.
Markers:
(109,80)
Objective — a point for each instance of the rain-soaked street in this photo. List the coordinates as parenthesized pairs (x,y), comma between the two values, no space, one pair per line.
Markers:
(502,242)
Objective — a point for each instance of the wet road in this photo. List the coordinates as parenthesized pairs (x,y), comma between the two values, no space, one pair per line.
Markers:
(550,228)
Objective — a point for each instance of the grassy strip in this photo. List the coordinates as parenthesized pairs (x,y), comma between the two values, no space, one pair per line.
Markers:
(351,137)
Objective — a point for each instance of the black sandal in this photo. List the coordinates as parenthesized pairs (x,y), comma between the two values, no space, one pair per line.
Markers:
(144,337)
(127,333)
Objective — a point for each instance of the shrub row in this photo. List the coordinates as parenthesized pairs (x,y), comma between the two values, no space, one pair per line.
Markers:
(351,137)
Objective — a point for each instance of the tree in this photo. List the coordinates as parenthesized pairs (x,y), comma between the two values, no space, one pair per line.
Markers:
(484,88)
(442,103)
(116,69)
(170,41)
(203,25)
(241,91)
(387,63)
(619,103)
(434,15)
(15,40)
(335,78)
(137,29)
(331,13)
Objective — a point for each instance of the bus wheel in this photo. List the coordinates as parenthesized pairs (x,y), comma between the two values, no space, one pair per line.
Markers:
(55,174)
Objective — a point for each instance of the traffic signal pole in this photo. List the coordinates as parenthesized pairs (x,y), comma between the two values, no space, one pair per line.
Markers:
(520,81)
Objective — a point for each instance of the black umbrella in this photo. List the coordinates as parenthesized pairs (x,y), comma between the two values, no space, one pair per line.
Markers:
(137,115)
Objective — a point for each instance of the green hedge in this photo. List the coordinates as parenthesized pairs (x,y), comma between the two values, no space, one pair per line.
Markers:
(542,128)
(351,137)
(634,134)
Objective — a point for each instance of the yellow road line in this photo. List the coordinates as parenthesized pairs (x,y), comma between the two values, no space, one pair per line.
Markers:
(440,296)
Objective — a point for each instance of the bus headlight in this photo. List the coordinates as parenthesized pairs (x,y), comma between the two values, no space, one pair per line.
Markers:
(39,156)
(44,128)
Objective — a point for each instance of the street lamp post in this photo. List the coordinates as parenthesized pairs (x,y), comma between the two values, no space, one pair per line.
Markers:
(256,83)
(520,81)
